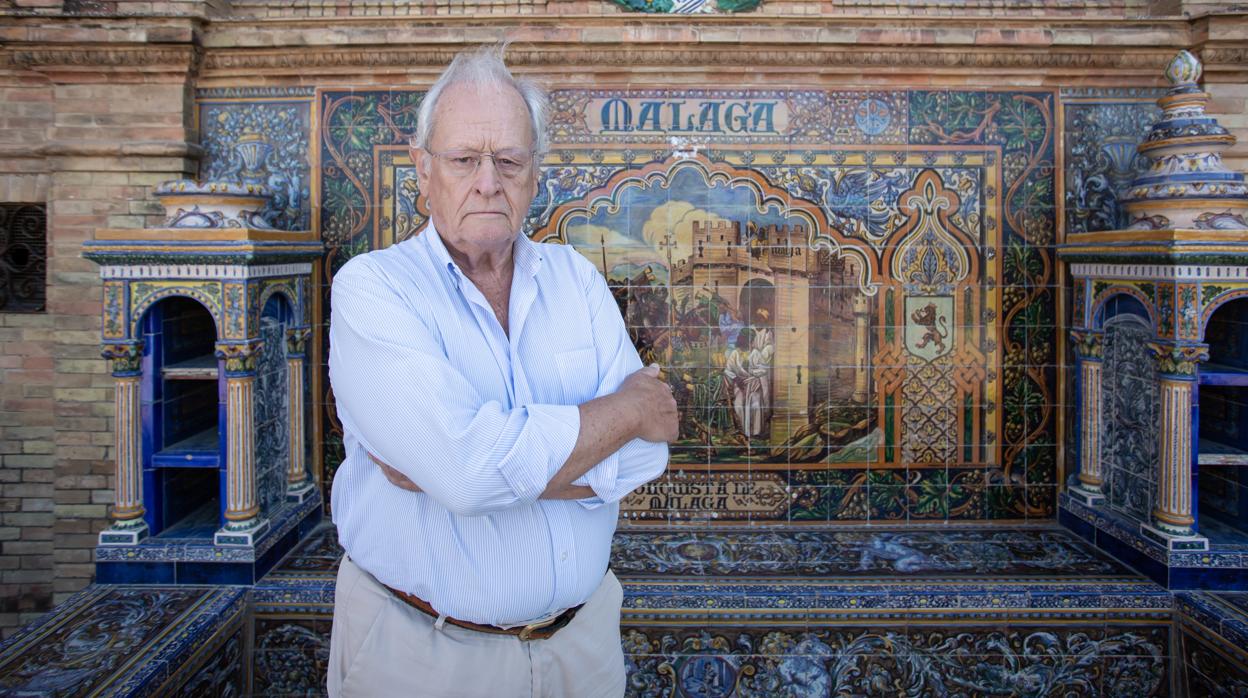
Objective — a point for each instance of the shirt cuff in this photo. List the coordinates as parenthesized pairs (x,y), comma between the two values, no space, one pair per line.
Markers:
(602,479)
(553,431)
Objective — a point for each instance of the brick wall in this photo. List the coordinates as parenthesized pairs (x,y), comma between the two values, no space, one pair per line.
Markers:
(1229,104)
(26,381)
(91,144)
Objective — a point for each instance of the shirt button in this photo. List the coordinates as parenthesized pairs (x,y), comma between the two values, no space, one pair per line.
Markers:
(564,556)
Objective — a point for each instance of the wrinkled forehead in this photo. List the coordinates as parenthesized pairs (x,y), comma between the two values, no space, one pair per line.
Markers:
(486,115)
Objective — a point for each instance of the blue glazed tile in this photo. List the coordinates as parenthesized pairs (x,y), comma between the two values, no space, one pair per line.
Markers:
(1133,557)
(1207,560)
(1066,599)
(1078,526)
(276,552)
(1212,579)
(215,573)
(135,573)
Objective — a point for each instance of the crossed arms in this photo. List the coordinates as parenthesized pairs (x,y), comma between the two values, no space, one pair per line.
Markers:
(473,455)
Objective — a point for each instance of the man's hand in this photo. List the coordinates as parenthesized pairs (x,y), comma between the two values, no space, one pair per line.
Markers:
(652,401)
(395,477)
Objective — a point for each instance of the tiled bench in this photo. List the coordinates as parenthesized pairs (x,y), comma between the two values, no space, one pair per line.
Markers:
(1029,611)
(132,640)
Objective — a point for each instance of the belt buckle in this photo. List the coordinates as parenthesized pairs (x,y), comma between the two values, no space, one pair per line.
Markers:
(531,628)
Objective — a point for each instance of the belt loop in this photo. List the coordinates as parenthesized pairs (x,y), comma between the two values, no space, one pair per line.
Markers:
(437,625)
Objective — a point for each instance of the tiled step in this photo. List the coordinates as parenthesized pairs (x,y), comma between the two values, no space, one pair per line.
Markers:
(863,612)
(118,640)
(722,612)
(1213,642)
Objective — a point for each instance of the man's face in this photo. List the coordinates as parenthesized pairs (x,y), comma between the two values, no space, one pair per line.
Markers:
(481,211)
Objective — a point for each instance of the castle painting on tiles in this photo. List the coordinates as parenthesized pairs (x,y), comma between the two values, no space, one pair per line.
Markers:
(851,291)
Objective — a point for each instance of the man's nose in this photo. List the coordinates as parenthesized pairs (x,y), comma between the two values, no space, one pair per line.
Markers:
(485,179)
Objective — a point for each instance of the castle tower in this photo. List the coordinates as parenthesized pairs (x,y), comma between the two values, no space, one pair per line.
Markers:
(792,328)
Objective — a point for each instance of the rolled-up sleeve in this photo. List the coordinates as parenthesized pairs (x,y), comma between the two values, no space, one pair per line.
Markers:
(638,461)
(411,408)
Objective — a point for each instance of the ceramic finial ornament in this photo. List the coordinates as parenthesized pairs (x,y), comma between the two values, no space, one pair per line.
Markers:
(1186,185)
(1184,70)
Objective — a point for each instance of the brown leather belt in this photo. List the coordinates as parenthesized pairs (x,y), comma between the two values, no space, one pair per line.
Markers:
(533,631)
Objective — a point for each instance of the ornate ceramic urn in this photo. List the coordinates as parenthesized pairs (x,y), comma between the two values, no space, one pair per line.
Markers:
(191,204)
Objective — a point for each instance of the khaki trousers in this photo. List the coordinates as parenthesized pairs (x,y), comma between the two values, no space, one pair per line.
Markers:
(380,646)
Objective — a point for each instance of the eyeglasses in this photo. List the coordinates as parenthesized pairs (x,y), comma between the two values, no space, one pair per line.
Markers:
(509,162)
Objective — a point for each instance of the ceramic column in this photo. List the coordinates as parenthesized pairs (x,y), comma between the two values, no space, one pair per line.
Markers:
(243,524)
(862,313)
(128,527)
(1172,511)
(298,484)
(1090,351)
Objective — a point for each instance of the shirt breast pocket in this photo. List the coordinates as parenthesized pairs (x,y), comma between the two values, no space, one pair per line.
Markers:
(578,374)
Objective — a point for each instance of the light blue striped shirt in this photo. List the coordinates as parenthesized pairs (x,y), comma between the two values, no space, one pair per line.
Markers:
(426,380)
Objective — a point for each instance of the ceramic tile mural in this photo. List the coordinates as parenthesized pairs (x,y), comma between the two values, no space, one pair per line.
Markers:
(1037,553)
(1101,130)
(1128,449)
(851,291)
(291,655)
(948,659)
(1213,630)
(270,413)
(262,138)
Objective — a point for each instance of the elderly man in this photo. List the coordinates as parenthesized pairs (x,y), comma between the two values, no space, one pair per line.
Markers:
(494,413)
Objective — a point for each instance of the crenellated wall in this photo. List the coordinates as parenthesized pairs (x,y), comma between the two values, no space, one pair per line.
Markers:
(1026,122)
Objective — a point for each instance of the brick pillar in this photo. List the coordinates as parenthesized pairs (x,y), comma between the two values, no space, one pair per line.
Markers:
(28,421)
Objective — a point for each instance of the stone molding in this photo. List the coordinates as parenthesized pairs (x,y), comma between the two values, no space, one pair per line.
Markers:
(235,60)
(1236,56)
(291,46)
(102,149)
(179,58)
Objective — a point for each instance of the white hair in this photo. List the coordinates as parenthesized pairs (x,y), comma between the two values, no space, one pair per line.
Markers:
(484,67)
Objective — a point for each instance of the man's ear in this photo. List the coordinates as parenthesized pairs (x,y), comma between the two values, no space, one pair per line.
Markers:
(421,159)
(537,174)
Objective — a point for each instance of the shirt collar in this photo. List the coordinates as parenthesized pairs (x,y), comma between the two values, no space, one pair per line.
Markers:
(524,253)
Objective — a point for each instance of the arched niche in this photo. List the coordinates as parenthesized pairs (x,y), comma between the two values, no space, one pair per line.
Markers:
(181,408)
(1221,425)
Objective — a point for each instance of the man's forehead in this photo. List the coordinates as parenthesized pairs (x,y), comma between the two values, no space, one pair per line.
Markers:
(482,110)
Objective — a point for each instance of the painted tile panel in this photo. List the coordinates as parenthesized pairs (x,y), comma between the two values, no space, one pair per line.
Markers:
(263,140)
(851,290)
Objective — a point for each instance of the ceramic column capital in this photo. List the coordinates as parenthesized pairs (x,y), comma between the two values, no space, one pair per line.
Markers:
(240,357)
(1178,361)
(1088,344)
(127,357)
(297,341)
